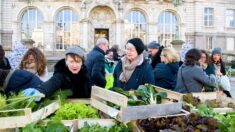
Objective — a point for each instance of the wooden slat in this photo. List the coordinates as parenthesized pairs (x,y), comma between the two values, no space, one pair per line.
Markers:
(203,96)
(28,117)
(149,111)
(83,100)
(110,96)
(170,94)
(104,108)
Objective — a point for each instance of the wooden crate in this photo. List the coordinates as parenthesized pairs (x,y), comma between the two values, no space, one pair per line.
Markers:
(99,97)
(219,97)
(28,117)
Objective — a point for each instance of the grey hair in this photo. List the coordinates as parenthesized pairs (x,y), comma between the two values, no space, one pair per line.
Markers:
(101,40)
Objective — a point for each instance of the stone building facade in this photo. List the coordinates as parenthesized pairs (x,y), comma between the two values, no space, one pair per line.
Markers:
(57,24)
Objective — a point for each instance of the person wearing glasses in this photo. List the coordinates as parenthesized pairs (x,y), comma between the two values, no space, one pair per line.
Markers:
(165,73)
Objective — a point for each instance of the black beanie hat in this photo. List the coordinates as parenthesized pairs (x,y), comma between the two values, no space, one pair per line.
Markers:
(139,45)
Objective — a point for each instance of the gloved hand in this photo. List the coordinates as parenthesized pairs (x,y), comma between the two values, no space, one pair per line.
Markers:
(32,92)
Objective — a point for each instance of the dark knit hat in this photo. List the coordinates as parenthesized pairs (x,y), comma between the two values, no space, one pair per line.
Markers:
(139,45)
(153,45)
(216,51)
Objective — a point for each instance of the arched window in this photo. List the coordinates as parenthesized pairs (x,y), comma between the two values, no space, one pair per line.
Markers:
(168,28)
(135,25)
(32,26)
(66,29)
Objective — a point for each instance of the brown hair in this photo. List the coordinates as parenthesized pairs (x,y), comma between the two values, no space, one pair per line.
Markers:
(208,60)
(75,57)
(192,57)
(40,60)
(220,61)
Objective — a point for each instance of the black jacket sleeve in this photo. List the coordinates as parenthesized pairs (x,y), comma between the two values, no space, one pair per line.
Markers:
(97,72)
(53,84)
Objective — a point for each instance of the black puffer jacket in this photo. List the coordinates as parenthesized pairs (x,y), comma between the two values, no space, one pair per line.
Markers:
(79,83)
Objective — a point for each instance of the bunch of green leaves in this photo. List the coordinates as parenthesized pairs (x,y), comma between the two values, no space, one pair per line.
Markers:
(16,101)
(78,110)
(149,95)
(51,126)
(226,122)
(204,111)
(145,94)
(118,127)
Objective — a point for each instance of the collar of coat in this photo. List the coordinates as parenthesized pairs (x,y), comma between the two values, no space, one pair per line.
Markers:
(99,49)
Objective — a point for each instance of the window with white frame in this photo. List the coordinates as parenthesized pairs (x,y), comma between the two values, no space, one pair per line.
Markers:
(209,16)
(168,28)
(230,18)
(230,43)
(66,29)
(135,25)
(31,26)
(209,42)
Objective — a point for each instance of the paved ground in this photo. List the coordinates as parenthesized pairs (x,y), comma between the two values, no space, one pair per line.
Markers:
(233,87)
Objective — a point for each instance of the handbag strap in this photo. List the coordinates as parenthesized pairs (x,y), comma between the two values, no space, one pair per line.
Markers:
(185,86)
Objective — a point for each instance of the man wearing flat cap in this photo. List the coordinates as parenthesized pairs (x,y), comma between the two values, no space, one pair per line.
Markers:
(70,73)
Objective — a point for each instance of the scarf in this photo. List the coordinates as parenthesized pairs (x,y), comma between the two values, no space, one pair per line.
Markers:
(128,68)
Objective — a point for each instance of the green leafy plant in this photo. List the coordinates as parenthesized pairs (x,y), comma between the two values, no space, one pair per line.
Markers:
(118,127)
(50,126)
(78,110)
(145,94)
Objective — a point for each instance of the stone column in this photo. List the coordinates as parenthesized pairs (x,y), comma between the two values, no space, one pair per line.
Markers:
(84,25)
(152,32)
(120,33)
(49,42)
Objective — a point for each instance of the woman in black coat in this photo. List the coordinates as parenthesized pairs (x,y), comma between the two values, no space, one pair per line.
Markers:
(70,73)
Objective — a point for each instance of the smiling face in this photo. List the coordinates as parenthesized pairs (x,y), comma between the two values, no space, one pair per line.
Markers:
(74,63)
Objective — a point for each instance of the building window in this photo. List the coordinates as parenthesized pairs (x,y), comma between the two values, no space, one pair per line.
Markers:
(230,18)
(66,29)
(168,28)
(135,25)
(230,44)
(209,16)
(32,26)
(209,42)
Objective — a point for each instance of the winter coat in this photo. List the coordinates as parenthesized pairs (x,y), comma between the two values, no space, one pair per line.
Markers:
(142,74)
(209,70)
(194,79)
(18,80)
(95,66)
(165,75)
(5,65)
(157,59)
(222,69)
(63,78)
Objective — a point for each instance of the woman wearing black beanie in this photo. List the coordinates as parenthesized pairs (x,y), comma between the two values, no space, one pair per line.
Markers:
(132,70)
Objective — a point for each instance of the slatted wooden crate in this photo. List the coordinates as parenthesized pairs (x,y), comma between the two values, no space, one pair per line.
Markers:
(28,117)
(219,97)
(100,97)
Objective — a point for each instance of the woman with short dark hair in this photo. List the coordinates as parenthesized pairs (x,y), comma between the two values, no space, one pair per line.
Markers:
(191,77)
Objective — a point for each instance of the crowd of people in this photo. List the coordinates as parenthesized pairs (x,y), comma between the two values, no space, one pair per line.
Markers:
(190,70)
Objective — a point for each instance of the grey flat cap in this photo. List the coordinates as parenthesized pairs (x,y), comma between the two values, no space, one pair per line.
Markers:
(76,50)
(153,45)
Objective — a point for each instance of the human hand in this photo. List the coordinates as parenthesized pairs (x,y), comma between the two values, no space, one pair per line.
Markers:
(32,92)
